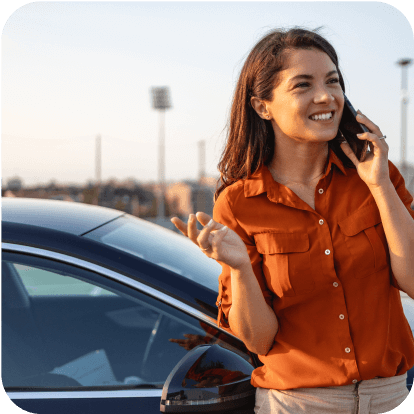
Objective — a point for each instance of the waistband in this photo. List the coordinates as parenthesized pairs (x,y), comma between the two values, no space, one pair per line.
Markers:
(372,386)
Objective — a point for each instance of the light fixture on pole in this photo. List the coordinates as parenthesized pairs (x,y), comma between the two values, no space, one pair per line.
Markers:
(404,63)
(161,102)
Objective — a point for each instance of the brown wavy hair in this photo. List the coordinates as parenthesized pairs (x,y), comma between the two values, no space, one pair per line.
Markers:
(250,139)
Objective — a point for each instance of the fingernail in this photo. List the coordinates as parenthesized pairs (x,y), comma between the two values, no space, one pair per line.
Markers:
(210,222)
(224,228)
(359,135)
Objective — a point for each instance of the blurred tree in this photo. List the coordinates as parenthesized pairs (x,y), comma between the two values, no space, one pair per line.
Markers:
(15,184)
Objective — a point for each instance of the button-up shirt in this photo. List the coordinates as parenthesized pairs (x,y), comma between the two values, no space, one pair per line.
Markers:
(326,274)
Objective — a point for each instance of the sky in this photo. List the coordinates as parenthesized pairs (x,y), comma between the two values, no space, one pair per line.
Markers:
(73,70)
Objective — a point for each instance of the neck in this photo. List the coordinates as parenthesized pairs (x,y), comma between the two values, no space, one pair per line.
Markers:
(300,164)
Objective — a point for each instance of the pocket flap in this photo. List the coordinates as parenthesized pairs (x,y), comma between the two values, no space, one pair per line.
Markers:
(360,220)
(270,243)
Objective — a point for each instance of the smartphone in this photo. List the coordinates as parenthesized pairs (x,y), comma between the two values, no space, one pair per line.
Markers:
(348,121)
(349,127)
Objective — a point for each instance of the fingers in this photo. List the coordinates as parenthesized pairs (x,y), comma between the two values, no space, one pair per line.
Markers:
(361,118)
(346,148)
(374,142)
(204,237)
(180,225)
(189,229)
(203,218)
(372,138)
(192,231)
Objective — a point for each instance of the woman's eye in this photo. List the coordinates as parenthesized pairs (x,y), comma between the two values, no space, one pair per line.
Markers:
(304,85)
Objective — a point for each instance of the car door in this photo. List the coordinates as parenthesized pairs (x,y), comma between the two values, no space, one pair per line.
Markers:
(78,337)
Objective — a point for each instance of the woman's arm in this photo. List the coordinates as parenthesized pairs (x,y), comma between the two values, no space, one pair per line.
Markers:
(250,317)
(397,221)
(399,231)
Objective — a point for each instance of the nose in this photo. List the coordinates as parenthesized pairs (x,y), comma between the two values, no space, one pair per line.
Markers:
(323,95)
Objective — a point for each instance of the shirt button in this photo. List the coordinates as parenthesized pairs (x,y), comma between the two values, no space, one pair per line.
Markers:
(327,251)
(347,350)
(354,381)
(341,316)
(320,191)
(336,284)
(320,221)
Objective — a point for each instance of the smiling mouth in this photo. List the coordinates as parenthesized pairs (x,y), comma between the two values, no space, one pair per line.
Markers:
(326,116)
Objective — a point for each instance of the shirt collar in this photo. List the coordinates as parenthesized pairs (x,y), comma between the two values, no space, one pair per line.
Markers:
(262,180)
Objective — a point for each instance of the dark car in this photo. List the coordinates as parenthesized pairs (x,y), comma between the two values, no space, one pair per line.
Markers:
(104,312)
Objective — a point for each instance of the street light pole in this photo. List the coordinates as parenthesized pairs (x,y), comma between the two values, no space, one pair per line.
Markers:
(404,63)
(161,165)
(161,102)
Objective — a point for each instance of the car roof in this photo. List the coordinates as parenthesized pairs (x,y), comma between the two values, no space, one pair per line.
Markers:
(70,217)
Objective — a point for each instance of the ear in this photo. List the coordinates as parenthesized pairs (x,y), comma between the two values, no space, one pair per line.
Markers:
(260,107)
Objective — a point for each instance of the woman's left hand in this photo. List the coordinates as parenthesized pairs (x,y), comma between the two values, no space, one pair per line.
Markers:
(374,169)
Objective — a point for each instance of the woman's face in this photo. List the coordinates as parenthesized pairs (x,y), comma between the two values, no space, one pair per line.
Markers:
(308,101)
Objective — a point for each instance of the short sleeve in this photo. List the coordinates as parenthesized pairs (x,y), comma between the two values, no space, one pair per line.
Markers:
(405,196)
(223,214)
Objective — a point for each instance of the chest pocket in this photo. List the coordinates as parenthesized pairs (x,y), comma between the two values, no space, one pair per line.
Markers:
(361,232)
(286,262)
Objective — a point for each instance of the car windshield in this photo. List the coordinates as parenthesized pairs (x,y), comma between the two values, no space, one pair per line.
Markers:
(161,246)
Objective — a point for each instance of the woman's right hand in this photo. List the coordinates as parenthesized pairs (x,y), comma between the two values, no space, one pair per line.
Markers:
(215,240)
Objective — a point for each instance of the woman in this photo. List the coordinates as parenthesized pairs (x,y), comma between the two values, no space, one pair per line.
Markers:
(315,238)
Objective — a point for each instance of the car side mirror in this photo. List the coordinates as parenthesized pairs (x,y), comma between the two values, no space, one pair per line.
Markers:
(209,378)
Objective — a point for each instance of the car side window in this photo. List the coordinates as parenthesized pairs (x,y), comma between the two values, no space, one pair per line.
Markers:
(58,334)
(45,283)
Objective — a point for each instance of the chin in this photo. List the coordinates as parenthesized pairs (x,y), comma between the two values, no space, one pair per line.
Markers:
(326,135)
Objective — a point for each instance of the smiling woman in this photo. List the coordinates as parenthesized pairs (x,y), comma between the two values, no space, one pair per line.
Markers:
(313,234)
(315,105)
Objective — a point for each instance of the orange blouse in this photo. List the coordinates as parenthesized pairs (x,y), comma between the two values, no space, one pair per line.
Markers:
(326,273)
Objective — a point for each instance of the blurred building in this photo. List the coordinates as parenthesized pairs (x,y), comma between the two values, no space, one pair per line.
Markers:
(189,197)
(185,198)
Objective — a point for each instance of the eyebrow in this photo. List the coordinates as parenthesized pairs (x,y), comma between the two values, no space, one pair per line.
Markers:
(304,76)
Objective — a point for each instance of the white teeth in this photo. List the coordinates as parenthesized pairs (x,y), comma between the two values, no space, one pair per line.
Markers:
(322,116)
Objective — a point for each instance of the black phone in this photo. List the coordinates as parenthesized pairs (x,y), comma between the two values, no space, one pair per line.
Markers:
(349,122)
(349,127)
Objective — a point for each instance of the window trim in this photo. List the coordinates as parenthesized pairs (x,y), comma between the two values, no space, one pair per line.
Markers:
(36,395)
(154,293)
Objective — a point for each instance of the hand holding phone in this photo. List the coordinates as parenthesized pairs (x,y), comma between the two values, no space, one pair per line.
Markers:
(349,127)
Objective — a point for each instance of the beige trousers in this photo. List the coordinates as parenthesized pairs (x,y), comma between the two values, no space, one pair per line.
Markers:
(374,396)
